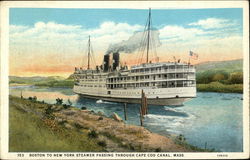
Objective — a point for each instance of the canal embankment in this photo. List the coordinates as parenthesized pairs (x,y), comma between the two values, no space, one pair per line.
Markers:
(38,126)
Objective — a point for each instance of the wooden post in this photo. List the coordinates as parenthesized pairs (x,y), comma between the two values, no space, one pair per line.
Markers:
(142,102)
(125,111)
(141,117)
(21,94)
(146,104)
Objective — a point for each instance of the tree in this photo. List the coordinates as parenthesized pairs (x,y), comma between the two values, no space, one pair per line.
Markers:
(236,78)
(218,77)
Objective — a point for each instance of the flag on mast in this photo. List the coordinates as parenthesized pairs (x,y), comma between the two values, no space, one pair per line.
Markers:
(193,55)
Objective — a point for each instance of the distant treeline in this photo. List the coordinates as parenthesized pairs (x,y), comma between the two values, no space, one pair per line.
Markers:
(223,77)
(220,81)
(57,83)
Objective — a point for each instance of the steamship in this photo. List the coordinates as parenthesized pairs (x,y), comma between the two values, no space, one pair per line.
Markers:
(164,83)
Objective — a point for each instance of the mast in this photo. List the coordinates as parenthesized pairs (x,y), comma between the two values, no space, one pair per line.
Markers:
(88,51)
(149,21)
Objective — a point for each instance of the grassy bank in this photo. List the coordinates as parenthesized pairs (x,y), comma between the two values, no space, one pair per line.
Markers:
(219,87)
(31,130)
(36,126)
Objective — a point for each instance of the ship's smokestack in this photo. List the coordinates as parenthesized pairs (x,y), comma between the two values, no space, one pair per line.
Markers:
(116,58)
(106,62)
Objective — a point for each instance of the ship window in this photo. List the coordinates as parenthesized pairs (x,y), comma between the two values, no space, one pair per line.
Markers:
(179,67)
(109,92)
(171,67)
(159,76)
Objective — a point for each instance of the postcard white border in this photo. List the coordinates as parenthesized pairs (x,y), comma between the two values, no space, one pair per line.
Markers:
(130,5)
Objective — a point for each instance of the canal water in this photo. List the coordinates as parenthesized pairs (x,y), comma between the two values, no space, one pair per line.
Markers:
(212,119)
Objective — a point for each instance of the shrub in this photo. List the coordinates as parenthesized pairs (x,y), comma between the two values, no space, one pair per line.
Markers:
(211,76)
(236,78)
(100,118)
(218,77)
(102,143)
(59,101)
(78,126)
(34,98)
(219,87)
(70,103)
(65,106)
(157,149)
(83,108)
(92,134)
(48,113)
(181,138)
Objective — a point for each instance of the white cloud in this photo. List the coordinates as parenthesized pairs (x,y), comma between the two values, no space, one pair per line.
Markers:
(46,38)
(17,29)
(210,23)
(177,33)
(114,28)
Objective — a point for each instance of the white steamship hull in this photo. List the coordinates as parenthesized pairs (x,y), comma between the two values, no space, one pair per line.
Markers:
(175,97)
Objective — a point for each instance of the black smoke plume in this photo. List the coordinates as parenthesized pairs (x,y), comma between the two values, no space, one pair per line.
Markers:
(135,42)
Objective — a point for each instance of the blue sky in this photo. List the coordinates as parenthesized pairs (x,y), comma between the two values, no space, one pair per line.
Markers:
(38,35)
(94,17)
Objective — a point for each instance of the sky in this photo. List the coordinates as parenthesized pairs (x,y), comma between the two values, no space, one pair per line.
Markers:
(49,41)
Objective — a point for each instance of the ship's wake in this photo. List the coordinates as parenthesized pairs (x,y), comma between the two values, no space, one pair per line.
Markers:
(170,122)
(103,102)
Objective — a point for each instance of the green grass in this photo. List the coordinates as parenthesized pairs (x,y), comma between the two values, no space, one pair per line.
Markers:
(219,87)
(28,132)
